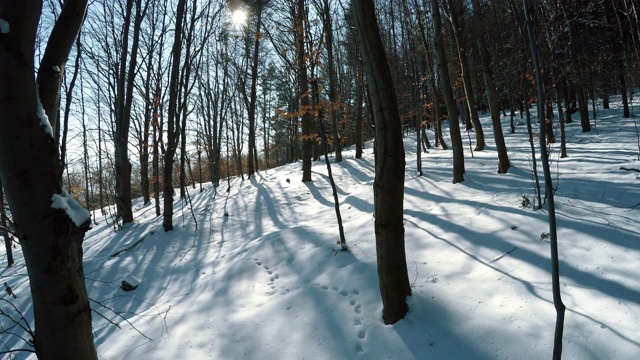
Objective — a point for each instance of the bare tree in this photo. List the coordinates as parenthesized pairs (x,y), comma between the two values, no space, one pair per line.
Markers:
(492,96)
(445,85)
(124,100)
(303,89)
(455,18)
(252,160)
(173,130)
(544,157)
(51,225)
(327,23)
(388,186)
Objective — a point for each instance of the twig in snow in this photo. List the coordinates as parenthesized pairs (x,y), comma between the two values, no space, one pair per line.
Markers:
(413,283)
(504,254)
(21,323)
(129,247)
(164,320)
(634,207)
(122,317)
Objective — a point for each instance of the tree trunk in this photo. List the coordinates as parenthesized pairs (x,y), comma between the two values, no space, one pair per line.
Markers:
(457,26)
(416,80)
(121,141)
(325,149)
(62,142)
(251,168)
(534,163)
(155,159)
(185,91)
(445,85)
(358,138)
(85,145)
(265,130)
(333,98)
(492,97)
(544,157)
(3,229)
(548,109)
(146,124)
(435,118)
(173,131)
(563,137)
(625,100)
(390,166)
(51,238)
(303,92)
(567,100)
(583,106)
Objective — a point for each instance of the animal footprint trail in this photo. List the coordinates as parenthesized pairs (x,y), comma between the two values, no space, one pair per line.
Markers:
(361,332)
(273,276)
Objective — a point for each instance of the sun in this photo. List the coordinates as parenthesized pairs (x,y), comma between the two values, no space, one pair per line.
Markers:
(239,18)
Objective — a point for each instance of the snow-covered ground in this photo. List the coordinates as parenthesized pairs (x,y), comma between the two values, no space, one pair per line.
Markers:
(260,277)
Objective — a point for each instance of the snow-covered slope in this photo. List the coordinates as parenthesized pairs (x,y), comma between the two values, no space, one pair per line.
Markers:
(265,280)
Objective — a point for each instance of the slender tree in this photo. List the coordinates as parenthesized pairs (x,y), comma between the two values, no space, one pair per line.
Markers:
(63,128)
(492,96)
(544,157)
(576,68)
(251,160)
(455,19)
(173,130)
(445,85)
(303,90)
(124,100)
(331,69)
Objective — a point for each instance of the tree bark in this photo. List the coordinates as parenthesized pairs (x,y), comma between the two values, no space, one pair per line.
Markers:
(358,138)
(173,131)
(251,168)
(145,185)
(303,84)
(583,106)
(390,166)
(3,228)
(544,157)
(333,97)
(445,85)
(62,142)
(492,97)
(51,240)
(186,87)
(625,100)
(123,112)
(456,25)
(156,130)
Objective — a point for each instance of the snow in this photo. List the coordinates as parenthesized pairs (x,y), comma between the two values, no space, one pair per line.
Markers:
(44,119)
(55,68)
(5,28)
(266,281)
(70,206)
(131,280)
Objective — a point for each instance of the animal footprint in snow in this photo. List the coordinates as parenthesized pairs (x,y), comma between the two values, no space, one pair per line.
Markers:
(358,309)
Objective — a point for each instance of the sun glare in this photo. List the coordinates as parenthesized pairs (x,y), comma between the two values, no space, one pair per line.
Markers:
(239,18)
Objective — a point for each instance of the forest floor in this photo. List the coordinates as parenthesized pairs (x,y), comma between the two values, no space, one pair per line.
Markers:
(260,276)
